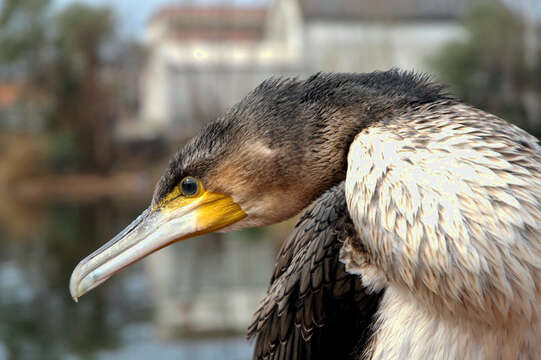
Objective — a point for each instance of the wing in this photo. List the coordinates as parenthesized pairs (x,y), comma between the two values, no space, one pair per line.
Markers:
(447,200)
(313,308)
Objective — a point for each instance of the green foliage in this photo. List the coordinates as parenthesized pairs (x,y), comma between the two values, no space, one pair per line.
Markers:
(488,69)
(82,33)
(63,152)
(59,56)
(456,65)
(22,29)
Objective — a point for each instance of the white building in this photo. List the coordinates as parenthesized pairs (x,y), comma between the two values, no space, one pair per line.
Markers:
(366,35)
(201,60)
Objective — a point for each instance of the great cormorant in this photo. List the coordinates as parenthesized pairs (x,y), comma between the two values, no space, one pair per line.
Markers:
(423,237)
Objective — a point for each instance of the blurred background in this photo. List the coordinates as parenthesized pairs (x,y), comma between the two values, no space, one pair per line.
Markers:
(96,95)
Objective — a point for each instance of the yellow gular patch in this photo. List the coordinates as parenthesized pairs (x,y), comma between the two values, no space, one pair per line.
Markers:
(217,212)
(213,211)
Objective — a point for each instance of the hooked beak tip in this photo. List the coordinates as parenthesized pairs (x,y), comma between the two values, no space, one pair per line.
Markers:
(82,281)
(74,284)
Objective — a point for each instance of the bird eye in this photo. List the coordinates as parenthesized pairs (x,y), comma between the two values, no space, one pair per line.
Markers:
(189,186)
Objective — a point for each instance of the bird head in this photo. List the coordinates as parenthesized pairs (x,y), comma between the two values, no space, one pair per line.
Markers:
(247,168)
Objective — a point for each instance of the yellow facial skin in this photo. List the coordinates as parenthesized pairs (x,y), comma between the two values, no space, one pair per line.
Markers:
(214,211)
(177,217)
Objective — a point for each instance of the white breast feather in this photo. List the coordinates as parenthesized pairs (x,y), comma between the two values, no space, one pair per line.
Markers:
(448,209)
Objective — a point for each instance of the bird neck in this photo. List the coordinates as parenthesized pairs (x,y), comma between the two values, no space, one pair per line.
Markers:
(337,107)
(329,134)
(294,136)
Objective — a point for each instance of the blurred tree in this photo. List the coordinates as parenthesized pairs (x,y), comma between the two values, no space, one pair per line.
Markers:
(488,69)
(23,34)
(61,57)
(81,93)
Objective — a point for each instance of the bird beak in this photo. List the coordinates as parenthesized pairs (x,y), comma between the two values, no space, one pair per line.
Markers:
(173,220)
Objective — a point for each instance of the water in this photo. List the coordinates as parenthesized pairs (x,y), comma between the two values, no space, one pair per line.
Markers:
(190,301)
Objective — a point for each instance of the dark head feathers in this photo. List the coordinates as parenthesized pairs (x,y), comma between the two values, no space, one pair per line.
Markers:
(196,157)
(280,112)
(412,87)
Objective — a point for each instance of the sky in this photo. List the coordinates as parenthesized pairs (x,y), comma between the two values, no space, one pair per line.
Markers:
(133,14)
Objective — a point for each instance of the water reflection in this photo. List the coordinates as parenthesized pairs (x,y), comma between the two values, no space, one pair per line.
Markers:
(191,301)
(209,285)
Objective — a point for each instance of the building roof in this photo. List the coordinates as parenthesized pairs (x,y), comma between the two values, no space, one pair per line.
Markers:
(212,23)
(386,9)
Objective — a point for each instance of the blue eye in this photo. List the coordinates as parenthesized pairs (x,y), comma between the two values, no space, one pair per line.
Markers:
(189,186)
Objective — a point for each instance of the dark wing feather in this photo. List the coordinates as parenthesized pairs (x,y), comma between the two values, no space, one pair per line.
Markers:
(313,308)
